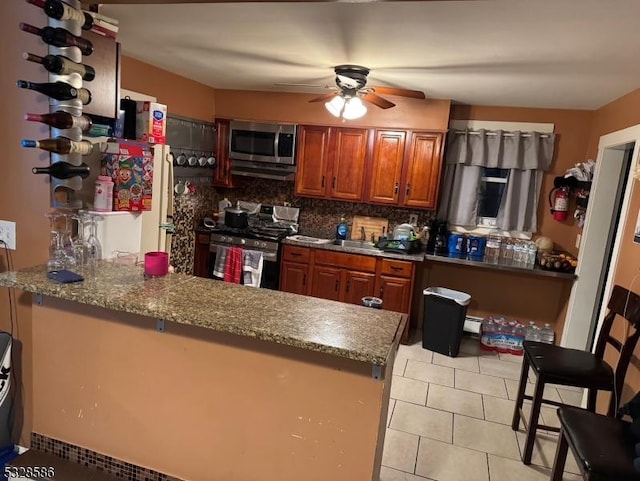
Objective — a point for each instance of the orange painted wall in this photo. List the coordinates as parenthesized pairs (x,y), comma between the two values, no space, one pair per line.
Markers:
(429,114)
(24,197)
(183,97)
(620,114)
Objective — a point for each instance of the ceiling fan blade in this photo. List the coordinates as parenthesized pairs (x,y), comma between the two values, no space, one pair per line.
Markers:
(286,84)
(414,94)
(377,100)
(324,97)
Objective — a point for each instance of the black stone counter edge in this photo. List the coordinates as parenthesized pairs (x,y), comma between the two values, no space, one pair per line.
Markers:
(536,271)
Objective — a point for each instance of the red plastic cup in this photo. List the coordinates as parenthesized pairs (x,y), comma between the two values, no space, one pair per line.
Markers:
(156,264)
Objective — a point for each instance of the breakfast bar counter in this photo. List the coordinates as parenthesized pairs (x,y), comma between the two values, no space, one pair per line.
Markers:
(200,379)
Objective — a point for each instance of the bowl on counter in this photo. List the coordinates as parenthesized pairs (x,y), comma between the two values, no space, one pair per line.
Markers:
(557,261)
(370,301)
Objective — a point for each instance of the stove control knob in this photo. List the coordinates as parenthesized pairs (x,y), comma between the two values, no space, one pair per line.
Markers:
(243,241)
(264,244)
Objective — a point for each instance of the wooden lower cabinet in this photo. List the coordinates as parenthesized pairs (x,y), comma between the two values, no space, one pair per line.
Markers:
(395,293)
(293,277)
(325,282)
(345,277)
(357,286)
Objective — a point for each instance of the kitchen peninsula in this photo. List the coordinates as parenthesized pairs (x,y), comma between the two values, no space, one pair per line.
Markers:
(200,379)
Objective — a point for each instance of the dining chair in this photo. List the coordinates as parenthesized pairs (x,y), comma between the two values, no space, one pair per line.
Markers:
(603,446)
(558,365)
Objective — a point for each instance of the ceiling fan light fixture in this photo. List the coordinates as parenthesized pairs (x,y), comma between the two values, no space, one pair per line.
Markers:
(335,105)
(354,109)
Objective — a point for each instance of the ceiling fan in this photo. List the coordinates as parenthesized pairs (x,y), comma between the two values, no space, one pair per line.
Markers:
(351,81)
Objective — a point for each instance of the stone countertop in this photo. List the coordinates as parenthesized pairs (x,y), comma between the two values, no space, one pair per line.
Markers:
(335,328)
(418,257)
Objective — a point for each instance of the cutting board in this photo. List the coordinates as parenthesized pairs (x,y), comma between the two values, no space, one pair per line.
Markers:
(372,225)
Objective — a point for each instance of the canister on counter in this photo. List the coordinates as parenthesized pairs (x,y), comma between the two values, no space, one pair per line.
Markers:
(475,246)
(492,249)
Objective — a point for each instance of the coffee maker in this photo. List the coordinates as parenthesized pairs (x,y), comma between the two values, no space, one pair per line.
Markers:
(438,238)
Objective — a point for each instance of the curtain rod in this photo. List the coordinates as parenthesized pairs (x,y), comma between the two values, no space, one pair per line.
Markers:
(493,133)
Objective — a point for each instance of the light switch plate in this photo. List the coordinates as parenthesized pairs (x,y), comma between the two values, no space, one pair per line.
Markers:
(578,239)
(413,219)
(8,234)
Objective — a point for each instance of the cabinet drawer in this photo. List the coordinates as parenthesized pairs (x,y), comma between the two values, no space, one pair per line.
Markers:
(347,261)
(296,254)
(396,268)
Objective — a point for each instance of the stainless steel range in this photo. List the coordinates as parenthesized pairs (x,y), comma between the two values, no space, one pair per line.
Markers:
(264,233)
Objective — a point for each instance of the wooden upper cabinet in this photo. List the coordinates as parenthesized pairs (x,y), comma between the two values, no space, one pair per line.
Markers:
(386,167)
(313,151)
(423,170)
(222,171)
(347,154)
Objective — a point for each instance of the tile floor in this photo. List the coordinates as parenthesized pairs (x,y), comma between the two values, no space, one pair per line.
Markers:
(450,419)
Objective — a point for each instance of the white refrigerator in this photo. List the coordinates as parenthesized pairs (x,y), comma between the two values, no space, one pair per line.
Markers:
(122,233)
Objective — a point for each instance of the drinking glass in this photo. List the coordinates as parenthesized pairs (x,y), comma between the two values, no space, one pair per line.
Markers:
(66,241)
(56,251)
(80,244)
(94,248)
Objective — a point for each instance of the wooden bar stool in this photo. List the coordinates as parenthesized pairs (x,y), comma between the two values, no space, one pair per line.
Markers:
(572,367)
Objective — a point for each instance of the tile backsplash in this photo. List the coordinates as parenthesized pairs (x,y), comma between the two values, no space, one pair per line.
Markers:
(318,217)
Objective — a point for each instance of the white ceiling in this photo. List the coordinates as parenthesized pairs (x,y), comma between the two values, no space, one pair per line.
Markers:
(538,53)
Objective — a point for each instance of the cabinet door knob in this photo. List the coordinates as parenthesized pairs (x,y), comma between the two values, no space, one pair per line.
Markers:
(304,280)
(395,189)
(408,188)
(294,254)
(381,292)
(347,287)
(333,183)
(322,185)
(337,285)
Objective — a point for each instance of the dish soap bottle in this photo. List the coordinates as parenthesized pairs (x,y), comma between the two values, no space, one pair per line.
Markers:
(342,229)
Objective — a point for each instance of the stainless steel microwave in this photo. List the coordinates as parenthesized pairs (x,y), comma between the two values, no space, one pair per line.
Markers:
(262,142)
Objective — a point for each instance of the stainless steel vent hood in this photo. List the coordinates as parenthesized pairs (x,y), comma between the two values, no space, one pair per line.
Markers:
(263,170)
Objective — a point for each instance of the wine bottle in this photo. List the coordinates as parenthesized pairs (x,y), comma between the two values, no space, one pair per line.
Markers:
(61,11)
(61,65)
(59,37)
(62,120)
(64,170)
(61,145)
(58,90)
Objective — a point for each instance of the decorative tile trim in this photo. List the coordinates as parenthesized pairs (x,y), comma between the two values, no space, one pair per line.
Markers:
(96,461)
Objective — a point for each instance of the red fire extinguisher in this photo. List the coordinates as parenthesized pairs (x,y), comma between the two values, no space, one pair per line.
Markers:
(559,203)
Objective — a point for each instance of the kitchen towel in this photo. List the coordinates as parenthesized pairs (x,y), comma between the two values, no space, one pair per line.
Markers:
(221,262)
(233,266)
(252,268)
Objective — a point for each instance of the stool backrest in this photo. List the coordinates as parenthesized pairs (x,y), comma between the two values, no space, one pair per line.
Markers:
(626,304)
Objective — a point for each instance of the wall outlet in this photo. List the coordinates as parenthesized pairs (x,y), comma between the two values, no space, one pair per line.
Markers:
(578,239)
(8,234)
(413,219)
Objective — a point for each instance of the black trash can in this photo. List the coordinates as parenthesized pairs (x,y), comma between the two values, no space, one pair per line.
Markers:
(444,313)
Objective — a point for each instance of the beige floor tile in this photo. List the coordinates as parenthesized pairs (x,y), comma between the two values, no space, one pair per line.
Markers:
(388,474)
(485,436)
(494,367)
(544,451)
(455,401)
(399,365)
(446,462)
(480,383)
(498,410)
(510,358)
(550,393)
(550,416)
(569,396)
(503,469)
(568,388)
(400,450)
(464,361)
(422,421)
(392,405)
(416,352)
(410,390)
(429,373)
